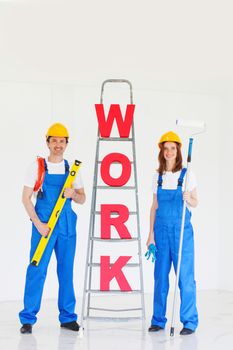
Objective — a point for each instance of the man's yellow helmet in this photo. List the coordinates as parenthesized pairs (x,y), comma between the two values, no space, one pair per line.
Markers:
(57,130)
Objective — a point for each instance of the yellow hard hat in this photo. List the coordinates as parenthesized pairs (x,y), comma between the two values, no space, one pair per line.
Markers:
(57,130)
(170,136)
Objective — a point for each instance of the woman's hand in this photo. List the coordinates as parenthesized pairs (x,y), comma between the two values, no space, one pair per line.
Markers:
(187,196)
(191,198)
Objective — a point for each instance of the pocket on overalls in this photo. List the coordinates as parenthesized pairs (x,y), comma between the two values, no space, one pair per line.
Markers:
(71,218)
(159,234)
(187,247)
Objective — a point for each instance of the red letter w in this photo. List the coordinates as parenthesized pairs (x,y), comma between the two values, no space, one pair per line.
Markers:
(105,126)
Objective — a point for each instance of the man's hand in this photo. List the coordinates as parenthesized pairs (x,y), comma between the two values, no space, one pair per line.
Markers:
(42,228)
(77,195)
(69,193)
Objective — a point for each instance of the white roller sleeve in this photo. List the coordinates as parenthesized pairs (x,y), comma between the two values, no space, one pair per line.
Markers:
(191,123)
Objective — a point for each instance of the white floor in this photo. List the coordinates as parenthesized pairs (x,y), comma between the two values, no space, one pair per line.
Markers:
(214,332)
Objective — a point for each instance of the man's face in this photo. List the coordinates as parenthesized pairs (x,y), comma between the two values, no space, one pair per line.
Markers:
(57,145)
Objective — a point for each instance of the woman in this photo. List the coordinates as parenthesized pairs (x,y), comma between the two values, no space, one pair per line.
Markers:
(165,224)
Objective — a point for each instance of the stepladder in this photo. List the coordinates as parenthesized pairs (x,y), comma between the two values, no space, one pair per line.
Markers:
(113,283)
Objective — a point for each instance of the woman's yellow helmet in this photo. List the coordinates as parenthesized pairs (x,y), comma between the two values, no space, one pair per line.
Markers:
(170,136)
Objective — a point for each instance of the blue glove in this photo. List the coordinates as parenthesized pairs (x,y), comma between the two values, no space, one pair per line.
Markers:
(152,250)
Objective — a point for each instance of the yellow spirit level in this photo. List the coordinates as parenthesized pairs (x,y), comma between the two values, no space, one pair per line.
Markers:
(55,213)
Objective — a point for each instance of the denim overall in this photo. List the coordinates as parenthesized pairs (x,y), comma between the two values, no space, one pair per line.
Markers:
(167,227)
(63,242)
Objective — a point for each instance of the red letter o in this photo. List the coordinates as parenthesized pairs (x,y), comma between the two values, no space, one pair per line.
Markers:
(105,169)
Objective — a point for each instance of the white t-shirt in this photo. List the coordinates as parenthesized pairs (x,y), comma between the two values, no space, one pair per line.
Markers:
(53,168)
(170,181)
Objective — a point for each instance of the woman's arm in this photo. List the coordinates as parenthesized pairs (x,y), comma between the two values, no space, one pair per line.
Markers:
(153,208)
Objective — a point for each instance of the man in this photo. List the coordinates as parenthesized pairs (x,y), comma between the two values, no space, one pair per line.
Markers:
(63,238)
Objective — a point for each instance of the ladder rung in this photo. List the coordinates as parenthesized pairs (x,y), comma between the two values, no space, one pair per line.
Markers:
(113,291)
(114,240)
(116,187)
(115,212)
(114,310)
(100,161)
(116,319)
(115,139)
(127,265)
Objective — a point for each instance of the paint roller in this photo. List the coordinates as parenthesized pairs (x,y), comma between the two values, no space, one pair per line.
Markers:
(200,127)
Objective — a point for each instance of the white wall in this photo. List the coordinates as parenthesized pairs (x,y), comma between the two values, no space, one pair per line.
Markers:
(27,114)
(53,59)
(225,142)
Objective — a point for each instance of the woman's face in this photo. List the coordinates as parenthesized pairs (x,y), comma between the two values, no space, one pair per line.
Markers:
(170,151)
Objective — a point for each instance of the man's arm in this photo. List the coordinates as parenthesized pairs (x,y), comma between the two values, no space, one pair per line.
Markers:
(30,209)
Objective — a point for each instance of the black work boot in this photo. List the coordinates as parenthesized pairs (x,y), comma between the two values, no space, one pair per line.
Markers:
(154,328)
(186,331)
(72,326)
(26,329)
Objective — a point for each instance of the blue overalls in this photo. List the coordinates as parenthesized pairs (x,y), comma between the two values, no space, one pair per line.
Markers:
(167,234)
(63,241)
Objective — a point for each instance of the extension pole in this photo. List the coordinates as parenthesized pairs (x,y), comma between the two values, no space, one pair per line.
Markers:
(181,240)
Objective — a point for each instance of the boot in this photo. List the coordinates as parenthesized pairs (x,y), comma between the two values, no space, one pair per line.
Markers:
(186,331)
(72,326)
(26,329)
(154,328)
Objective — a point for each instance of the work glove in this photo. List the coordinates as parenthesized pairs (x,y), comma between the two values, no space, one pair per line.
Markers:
(152,250)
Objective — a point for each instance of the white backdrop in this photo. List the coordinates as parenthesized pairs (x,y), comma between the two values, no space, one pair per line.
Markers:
(52,63)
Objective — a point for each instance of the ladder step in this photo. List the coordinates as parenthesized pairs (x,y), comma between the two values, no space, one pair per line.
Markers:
(115,212)
(114,319)
(114,310)
(114,240)
(113,291)
(115,187)
(115,139)
(100,161)
(127,265)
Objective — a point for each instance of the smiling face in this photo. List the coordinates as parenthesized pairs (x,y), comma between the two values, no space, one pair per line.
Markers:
(57,145)
(170,157)
(170,151)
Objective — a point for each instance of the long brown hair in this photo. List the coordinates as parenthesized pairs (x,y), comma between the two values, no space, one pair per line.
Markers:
(162,161)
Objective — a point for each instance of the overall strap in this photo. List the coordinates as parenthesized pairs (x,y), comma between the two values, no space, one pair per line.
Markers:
(67,167)
(181,178)
(160,180)
(45,165)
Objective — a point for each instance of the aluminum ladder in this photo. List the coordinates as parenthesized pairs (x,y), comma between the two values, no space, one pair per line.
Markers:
(88,291)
